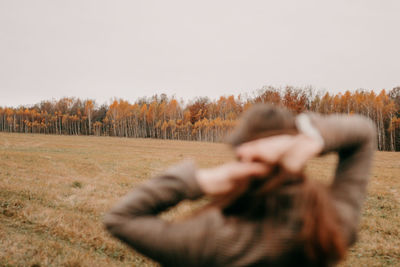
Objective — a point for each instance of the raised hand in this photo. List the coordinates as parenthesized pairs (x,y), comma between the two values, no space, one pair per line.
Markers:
(289,151)
(230,178)
(268,150)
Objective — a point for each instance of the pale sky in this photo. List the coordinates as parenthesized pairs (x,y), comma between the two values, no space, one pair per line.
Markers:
(128,49)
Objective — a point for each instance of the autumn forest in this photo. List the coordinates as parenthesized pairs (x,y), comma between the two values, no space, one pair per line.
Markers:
(200,119)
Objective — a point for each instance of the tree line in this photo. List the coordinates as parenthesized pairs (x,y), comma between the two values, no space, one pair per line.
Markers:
(200,119)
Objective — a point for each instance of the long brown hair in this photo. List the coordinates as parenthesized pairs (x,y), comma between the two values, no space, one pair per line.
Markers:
(319,233)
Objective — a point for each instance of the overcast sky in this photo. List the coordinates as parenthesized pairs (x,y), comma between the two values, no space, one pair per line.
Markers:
(127,49)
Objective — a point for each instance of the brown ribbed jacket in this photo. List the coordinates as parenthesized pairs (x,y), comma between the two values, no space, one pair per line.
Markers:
(212,239)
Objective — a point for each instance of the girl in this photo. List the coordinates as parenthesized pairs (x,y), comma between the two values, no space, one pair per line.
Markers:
(264,211)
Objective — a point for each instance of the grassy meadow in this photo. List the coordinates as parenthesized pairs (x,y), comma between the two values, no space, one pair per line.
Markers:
(54,191)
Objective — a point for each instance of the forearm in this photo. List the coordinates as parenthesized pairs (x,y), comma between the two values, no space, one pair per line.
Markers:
(137,212)
(134,220)
(160,193)
(353,138)
(344,132)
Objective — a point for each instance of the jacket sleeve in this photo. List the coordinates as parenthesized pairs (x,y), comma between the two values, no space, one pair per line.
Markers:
(134,219)
(353,138)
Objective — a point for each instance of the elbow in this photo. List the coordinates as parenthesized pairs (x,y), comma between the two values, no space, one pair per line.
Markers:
(371,127)
(113,222)
(108,221)
(371,132)
(368,133)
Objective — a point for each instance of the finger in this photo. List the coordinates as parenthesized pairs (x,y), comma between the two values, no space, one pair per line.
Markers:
(247,152)
(254,151)
(248,169)
(296,158)
(268,150)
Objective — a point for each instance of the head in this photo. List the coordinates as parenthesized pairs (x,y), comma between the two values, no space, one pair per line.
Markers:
(262,120)
(319,233)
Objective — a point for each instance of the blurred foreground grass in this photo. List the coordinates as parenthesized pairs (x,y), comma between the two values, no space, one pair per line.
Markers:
(54,191)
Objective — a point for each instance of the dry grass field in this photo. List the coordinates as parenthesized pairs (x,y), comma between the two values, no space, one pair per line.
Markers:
(54,191)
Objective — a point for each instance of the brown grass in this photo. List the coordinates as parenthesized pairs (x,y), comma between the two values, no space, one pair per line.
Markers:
(54,191)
